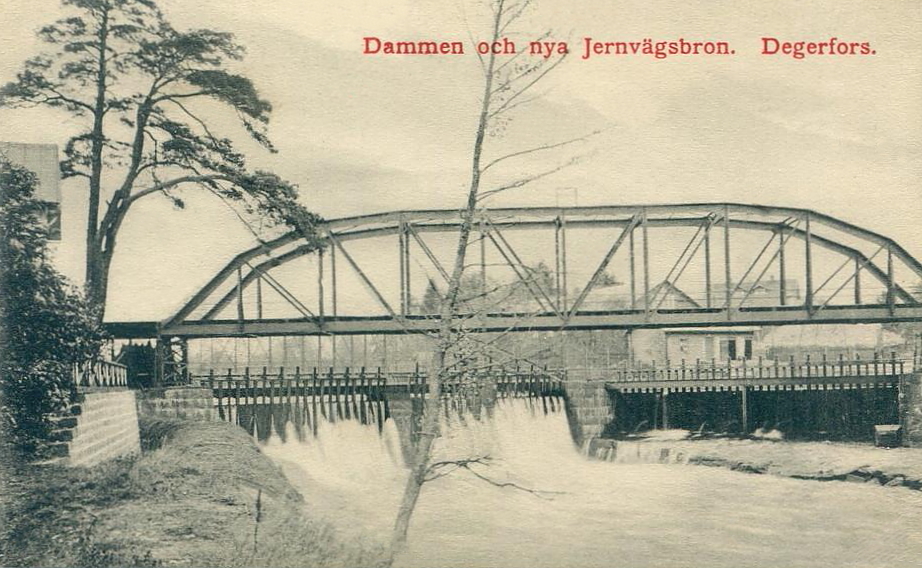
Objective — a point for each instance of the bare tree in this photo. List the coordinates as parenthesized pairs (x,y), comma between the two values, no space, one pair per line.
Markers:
(509,82)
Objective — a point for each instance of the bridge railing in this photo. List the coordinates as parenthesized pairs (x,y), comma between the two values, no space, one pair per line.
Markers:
(100,373)
(765,369)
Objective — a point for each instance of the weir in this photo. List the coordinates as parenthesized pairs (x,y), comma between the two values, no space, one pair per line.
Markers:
(835,400)
(299,404)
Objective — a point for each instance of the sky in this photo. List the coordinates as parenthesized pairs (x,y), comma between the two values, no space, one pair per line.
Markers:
(361,133)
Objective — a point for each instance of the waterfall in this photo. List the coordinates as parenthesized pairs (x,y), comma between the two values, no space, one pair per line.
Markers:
(536,500)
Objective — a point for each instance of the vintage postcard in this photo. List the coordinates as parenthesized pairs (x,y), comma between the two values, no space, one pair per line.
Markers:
(460,283)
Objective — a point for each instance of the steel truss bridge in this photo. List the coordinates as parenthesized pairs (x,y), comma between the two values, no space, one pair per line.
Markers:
(721,264)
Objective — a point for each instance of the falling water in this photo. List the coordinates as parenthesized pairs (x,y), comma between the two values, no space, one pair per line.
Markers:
(538,501)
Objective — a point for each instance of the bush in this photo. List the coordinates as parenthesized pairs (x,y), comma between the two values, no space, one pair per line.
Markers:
(45,324)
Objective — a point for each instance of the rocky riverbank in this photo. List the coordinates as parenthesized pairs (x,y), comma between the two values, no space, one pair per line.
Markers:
(202,494)
(821,461)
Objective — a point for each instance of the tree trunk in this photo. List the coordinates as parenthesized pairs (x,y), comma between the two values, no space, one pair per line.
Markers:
(429,431)
(431,407)
(97,279)
(98,141)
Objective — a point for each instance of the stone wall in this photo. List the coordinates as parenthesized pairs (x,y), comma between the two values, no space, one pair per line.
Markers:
(406,412)
(104,425)
(191,403)
(589,409)
(911,409)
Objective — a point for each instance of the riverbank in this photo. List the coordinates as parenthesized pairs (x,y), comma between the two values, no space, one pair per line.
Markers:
(202,494)
(822,461)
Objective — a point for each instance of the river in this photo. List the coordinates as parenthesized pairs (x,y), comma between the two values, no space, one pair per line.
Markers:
(564,509)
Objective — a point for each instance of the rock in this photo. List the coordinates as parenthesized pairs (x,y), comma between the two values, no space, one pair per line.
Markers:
(852,478)
(896,481)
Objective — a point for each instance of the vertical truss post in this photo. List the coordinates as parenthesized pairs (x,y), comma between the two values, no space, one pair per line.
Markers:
(633,270)
(160,361)
(401,247)
(483,261)
(320,310)
(333,280)
(563,262)
(782,274)
(240,314)
(259,297)
(646,263)
(727,288)
(556,305)
(406,265)
(808,265)
(891,297)
(857,281)
(172,361)
(707,268)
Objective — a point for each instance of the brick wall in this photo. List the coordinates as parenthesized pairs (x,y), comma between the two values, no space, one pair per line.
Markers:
(192,403)
(106,427)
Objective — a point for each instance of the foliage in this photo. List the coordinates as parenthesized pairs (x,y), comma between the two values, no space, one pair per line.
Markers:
(47,325)
(147,92)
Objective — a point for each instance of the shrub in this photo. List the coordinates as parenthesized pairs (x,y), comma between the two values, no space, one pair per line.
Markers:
(45,324)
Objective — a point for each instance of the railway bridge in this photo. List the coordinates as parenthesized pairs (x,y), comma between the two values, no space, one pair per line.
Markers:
(620,267)
(721,255)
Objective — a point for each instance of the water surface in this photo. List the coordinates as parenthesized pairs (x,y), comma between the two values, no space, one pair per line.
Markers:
(573,511)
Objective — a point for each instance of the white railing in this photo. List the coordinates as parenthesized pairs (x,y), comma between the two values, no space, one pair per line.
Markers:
(100,374)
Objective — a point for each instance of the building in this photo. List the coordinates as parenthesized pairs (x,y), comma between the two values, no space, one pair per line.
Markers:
(43,160)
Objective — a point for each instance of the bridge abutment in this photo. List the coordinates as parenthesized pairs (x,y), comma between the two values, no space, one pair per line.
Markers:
(589,408)
(911,408)
(406,411)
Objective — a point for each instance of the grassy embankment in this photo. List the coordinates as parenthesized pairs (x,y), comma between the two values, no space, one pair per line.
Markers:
(201,494)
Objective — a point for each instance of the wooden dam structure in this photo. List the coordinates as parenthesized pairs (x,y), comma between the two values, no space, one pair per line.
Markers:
(828,398)
(265,401)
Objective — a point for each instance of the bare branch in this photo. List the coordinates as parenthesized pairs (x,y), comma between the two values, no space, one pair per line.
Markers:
(540,149)
(453,465)
(526,180)
(524,89)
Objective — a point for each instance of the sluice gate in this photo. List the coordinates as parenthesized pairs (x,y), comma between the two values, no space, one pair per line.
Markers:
(829,399)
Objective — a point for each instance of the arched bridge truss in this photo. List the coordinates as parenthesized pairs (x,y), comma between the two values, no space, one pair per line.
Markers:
(565,268)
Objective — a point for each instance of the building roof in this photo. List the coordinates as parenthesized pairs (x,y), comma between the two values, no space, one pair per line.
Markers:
(664,290)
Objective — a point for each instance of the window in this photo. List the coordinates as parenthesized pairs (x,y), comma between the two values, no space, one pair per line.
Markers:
(728,348)
(747,349)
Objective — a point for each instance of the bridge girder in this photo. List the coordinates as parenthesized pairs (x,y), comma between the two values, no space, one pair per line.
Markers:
(815,230)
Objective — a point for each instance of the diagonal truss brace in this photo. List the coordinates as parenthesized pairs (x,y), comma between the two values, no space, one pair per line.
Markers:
(514,262)
(694,244)
(365,280)
(435,261)
(635,221)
